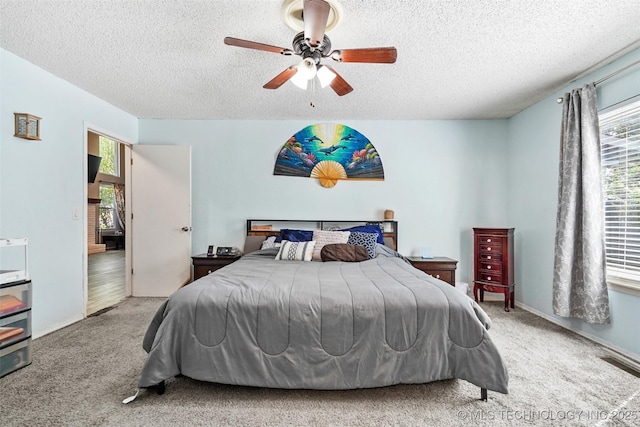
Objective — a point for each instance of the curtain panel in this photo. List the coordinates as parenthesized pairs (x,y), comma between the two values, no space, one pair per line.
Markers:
(579,282)
(118,190)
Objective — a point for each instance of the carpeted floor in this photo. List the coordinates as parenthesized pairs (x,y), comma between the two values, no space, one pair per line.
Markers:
(81,374)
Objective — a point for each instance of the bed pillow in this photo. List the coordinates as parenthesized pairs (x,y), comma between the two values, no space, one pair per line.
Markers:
(270,242)
(295,251)
(323,237)
(370,228)
(344,252)
(368,240)
(295,235)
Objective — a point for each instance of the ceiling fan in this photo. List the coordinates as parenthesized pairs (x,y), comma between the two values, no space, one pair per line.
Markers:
(313,45)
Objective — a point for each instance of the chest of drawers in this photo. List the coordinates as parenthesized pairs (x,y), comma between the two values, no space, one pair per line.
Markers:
(442,268)
(493,263)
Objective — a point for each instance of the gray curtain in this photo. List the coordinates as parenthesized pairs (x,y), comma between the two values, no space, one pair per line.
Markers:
(579,281)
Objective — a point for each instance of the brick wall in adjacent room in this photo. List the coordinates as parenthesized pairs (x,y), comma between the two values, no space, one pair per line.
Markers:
(92,225)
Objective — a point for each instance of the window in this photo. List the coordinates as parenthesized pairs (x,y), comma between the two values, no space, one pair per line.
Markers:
(620,139)
(107,207)
(110,153)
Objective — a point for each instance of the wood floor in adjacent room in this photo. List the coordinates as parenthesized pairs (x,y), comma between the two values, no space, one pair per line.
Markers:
(106,280)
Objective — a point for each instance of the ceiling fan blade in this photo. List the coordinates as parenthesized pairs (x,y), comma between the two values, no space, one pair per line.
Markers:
(376,55)
(232,41)
(338,84)
(281,78)
(315,14)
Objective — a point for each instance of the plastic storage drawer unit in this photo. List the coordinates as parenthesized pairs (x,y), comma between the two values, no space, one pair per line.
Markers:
(15,297)
(14,328)
(15,357)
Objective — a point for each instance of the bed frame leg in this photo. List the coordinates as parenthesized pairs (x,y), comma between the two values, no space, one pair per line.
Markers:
(158,388)
(483,394)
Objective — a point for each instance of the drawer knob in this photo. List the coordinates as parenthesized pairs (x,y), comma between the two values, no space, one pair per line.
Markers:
(489,278)
(488,240)
(209,272)
(437,276)
(489,257)
(488,267)
(488,249)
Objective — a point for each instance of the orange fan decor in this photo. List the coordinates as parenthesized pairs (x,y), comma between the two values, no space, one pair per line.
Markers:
(328,173)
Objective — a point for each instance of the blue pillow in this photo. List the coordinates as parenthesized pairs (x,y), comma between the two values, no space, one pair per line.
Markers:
(371,228)
(368,240)
(295,235)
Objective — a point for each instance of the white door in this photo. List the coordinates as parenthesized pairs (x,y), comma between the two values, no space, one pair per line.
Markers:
(161,224)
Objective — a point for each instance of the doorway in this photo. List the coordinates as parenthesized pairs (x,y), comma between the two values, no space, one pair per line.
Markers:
(106,222)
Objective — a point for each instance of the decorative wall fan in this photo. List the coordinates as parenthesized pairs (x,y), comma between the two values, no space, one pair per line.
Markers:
(313,45)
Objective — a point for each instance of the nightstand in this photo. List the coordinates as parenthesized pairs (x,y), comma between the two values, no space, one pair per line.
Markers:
(440,267)
(203,264)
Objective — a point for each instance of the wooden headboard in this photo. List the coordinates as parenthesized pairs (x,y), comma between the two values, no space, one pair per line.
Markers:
(271,227)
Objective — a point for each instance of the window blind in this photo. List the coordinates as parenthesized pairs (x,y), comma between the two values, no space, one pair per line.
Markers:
(620,144)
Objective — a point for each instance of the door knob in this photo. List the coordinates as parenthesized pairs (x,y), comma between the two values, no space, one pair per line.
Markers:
(186,228)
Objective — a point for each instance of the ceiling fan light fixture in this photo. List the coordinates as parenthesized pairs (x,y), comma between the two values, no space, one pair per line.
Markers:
(325,76)
(299,81)
(307,68)
(306,71)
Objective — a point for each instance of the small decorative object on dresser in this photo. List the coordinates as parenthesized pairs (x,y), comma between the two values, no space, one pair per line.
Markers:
(203,264)
(442,268)
(493,263)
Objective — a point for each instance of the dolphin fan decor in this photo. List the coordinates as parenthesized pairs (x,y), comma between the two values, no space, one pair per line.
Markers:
(329,152)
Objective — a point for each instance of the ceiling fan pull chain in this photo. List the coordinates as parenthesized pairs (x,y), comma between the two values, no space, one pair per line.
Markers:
(313,92)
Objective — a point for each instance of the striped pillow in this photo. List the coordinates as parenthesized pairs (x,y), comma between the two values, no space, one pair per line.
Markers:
(323,237)
(295,251)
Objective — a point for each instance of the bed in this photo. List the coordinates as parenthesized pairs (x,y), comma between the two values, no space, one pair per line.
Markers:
(298,324)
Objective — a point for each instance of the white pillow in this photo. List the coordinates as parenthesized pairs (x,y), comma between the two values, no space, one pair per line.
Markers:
(295,251)
(323,237)
(270,242)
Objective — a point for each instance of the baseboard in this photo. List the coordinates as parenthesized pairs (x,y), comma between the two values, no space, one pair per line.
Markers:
(633,358)
(43,332)
(622,362)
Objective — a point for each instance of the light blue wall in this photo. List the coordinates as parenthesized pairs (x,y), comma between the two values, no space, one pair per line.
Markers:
(41,182)
(533,154)
(441,178)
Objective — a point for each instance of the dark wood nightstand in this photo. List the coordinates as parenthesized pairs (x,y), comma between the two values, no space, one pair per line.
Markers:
(440,267)
(203,264)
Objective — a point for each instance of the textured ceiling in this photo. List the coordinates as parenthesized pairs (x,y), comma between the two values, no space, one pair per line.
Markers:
(457,59)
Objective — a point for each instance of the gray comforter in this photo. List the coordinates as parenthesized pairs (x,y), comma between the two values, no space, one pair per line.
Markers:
(321,325)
